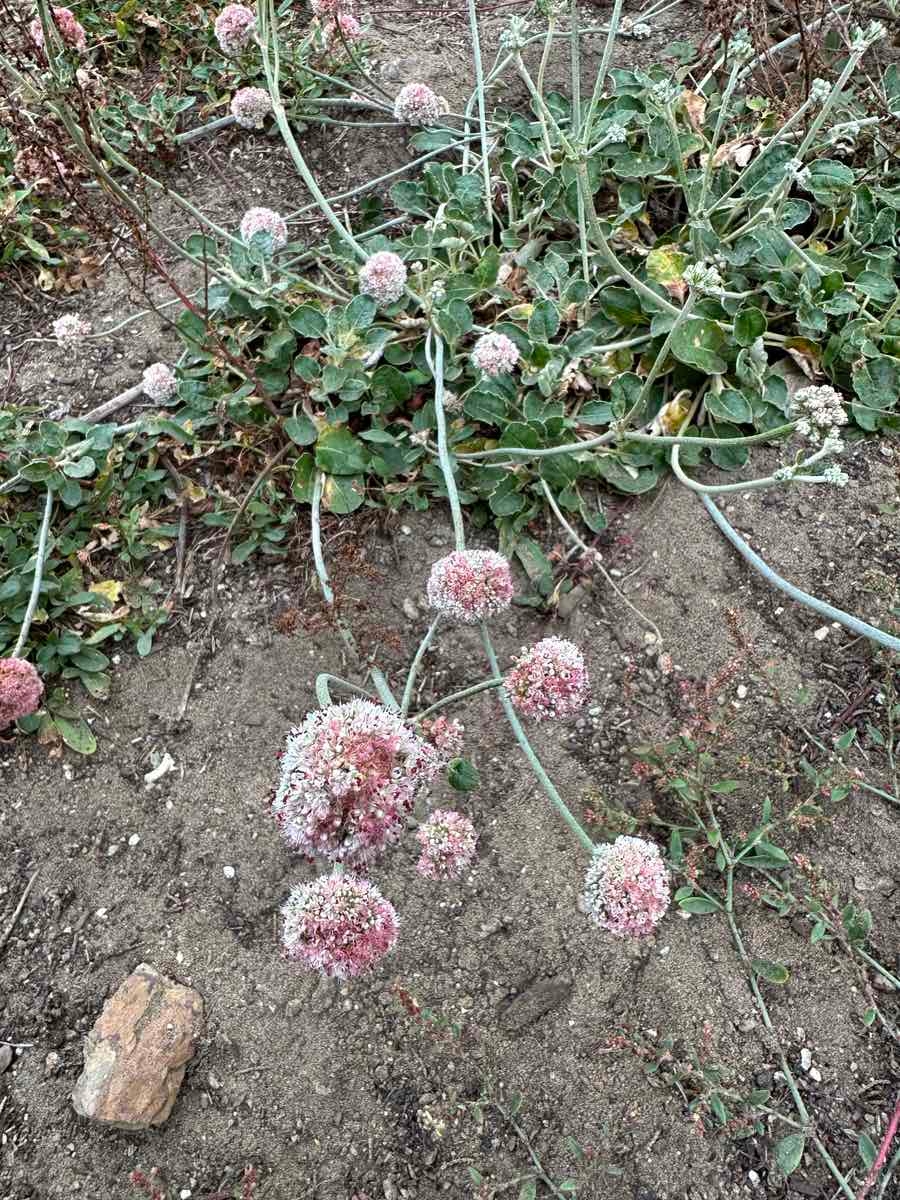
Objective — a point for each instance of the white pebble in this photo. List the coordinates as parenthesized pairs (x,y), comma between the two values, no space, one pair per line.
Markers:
(805,1058)
(228,872)
(821,633)
(134,839)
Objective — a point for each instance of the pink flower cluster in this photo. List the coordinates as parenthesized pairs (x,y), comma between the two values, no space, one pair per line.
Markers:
(234,28)
(339,925)
(348,26)
(495,354)
(417,104)
(445,735)
(548,680)
(626,888)
(327,8)
(69,329)
(265,220)
(70,30)
(159,383)
(383,277)
(20,690)
(350,775)
(448,843)
(250,106)
(470,585)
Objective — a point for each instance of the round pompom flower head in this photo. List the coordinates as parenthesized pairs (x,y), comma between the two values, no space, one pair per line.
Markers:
(234,28)
(448,842)
(495,354)
(348,26)
(417,104)
(70,30)
(548,680)
(626,888)
(20,690)
(350,775)
(265,220)
(70,329)
(383,277)
(250,106)
(470,585)
(339,925)
(159,383)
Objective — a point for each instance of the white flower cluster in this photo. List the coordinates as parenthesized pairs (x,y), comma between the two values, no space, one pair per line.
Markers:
(637,30)
(819,91)
(615,134)
(740,45)
(665,92)
(819,413)
(515,36)
(703,278)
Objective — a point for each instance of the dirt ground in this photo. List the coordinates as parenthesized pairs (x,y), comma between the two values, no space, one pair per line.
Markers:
(335,1092)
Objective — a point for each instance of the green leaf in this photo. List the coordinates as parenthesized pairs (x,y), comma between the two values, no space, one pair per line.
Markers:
(462,775)
(730,405)
(80,468)
(76,733)
(304,478)
(243,550)
(342,494)
(301,430)
(528,1190)
(789,1152)
(749,324)
(867,1150)
(543,324)
(309,322)
(360,312)
(725,786)
(699,905)
(340,453)
(488,268)
(869,1017)
(773,972)
(699,342)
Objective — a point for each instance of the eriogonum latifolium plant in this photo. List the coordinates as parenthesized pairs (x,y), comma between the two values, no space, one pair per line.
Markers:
(354,773)
(633,278)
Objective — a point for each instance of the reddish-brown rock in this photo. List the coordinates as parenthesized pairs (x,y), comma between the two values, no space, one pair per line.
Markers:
(136,1055)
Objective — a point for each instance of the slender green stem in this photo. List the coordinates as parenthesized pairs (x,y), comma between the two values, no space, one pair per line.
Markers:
(606,250)
(600,81)
(444,456)
(268,42)
(316,538)
(454,697)
(575,63)
(40,557)
(610,582)
(606,439)
(416,663)
(382,687)
(482,116)
(658,363)
(533,761)
(323,693)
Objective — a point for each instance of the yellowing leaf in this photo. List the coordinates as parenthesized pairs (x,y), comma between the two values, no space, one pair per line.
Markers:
(109,589)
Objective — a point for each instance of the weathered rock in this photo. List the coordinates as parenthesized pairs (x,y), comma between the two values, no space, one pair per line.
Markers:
(535,1002)
(136,1055)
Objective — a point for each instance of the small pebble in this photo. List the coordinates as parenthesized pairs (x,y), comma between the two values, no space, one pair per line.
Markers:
(229,872)
(821,633)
